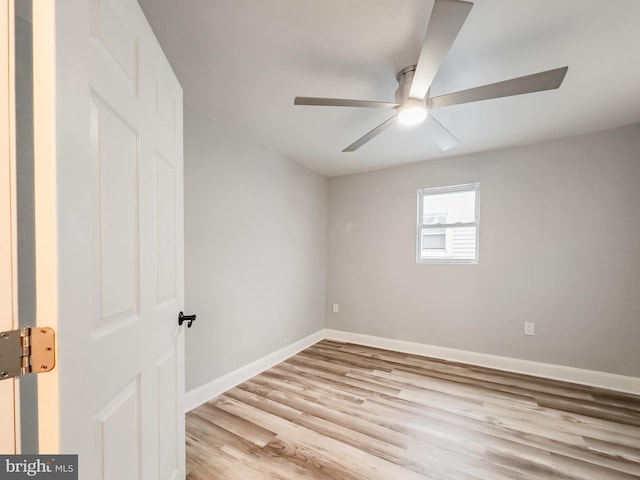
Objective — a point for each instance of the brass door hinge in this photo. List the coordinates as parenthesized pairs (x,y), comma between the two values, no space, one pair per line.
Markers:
(27,350)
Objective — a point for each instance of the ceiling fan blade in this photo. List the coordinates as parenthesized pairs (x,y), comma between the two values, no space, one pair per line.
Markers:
(440,134)
(368,136)
(536,82)
(447,18)
(342,102)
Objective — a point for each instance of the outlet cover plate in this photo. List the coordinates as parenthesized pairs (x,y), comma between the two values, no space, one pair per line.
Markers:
(529,328)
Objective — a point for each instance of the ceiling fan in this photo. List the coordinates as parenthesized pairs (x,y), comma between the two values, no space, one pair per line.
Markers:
(413,102)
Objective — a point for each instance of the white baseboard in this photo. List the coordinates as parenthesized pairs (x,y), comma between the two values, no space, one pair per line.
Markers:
(610,381)
(196,397)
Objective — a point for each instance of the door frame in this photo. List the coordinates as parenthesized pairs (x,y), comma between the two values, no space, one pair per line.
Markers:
(46,206)
(9,389)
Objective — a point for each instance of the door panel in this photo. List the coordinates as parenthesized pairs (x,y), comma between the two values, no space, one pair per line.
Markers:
(115,34)
(118,434)
(168,427)
(126,269)
(116,154)
(166,229)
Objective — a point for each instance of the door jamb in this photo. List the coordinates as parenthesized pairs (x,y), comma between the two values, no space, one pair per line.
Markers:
(8,214)
(46,215)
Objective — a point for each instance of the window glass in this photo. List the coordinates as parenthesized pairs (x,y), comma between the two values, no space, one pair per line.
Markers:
(448,224)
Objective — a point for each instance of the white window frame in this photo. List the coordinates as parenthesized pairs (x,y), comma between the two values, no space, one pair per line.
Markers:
(422,192)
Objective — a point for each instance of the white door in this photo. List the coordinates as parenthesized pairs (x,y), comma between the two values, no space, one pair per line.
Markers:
(8,388)
(109,241)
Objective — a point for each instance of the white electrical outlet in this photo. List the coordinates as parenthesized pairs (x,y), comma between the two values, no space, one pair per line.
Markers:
(529,328)
(336,308)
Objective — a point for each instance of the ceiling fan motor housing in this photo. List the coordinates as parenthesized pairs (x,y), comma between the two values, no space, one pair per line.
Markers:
(405,78)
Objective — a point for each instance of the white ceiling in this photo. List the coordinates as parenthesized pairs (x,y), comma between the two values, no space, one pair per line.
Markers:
(243,61)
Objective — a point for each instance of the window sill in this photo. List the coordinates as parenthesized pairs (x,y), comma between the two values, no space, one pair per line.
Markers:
(447,261)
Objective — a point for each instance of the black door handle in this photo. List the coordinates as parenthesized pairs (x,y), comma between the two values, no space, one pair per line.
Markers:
(188,318)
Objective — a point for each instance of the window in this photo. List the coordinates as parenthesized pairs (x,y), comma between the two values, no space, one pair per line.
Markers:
(448,224)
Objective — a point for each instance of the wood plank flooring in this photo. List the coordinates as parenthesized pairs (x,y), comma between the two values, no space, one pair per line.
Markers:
(340,411)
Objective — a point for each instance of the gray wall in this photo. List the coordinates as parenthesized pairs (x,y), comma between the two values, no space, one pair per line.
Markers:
(256,250)
(559,246)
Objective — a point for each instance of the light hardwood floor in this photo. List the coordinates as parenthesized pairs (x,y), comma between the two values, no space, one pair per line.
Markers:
(341,411)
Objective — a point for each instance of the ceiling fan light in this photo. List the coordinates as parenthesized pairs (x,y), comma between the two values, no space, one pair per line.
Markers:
(412,114)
